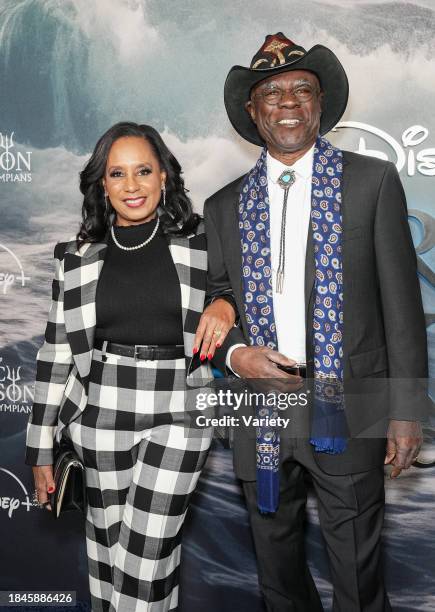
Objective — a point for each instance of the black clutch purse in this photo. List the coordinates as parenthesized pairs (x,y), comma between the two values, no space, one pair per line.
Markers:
(69,478)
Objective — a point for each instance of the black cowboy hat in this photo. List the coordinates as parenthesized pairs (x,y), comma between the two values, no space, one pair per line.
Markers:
(279,54)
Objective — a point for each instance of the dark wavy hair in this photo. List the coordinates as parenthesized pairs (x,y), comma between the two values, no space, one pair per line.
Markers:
(176,218)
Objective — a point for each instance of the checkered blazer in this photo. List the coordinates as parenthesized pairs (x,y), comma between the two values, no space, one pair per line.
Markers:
(64,360)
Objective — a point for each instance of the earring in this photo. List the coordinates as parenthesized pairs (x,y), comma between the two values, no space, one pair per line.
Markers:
(164,194)
(107,203)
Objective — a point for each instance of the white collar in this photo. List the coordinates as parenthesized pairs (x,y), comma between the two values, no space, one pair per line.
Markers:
(303,166)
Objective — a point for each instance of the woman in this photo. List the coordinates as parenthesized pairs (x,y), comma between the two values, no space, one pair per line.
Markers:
(111,374)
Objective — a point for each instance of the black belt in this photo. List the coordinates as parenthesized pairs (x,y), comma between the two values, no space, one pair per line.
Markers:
(143,351)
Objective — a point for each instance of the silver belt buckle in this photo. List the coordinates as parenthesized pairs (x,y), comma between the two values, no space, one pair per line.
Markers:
(148,346)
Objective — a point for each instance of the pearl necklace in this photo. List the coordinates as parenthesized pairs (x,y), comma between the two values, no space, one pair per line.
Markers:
(139,246)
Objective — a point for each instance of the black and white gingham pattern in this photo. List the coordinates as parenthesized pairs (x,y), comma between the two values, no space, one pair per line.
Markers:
(64,360)
(142,462)
(54,364)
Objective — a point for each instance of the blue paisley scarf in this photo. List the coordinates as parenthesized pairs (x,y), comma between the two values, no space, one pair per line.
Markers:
(328,433)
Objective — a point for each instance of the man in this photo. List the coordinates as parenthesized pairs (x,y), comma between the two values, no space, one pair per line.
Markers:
(315,244)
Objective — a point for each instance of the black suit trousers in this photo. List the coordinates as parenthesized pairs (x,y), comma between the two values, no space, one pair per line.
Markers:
(351,512)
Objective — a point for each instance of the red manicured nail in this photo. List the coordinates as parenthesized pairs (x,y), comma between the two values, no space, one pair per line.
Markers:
(202,357)
(209,356)
(218,345)
(50,489)
(194,350)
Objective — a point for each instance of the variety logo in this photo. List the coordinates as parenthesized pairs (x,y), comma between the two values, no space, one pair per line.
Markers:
(15,166)
(14,395)
(14,275)
(14,495)
(404,154)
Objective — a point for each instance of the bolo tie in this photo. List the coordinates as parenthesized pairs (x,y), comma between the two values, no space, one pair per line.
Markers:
(285,181)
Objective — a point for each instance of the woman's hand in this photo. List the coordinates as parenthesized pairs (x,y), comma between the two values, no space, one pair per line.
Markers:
(44,483)
(216,321)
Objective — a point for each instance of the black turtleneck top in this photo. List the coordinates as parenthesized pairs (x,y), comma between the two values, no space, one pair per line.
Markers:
(138,298)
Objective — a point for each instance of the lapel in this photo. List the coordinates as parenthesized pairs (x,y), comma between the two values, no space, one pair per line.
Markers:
(234,258)
(82,270)
(188,261)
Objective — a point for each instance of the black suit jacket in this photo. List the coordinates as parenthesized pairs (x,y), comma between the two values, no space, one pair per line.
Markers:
(384,327)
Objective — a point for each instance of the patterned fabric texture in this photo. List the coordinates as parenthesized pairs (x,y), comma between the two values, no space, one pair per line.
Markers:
(329,429)
(64,359)
(254,225)
(142,462)
(129,421)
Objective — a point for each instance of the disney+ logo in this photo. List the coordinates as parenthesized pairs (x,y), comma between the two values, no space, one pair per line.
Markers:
(421,161)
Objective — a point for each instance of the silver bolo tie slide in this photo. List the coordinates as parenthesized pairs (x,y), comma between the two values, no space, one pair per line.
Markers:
(285,181)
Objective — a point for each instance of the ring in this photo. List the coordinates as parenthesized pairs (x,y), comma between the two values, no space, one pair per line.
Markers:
(217,332)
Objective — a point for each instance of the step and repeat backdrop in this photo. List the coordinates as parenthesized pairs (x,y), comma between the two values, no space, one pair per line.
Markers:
(71,68)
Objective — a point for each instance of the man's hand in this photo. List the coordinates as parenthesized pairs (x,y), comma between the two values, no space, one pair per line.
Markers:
(404,440)
(260,362)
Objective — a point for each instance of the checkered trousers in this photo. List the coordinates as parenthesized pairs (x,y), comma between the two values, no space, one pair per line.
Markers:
(143,458)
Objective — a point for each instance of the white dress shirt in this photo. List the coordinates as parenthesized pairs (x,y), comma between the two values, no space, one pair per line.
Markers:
(289,306)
